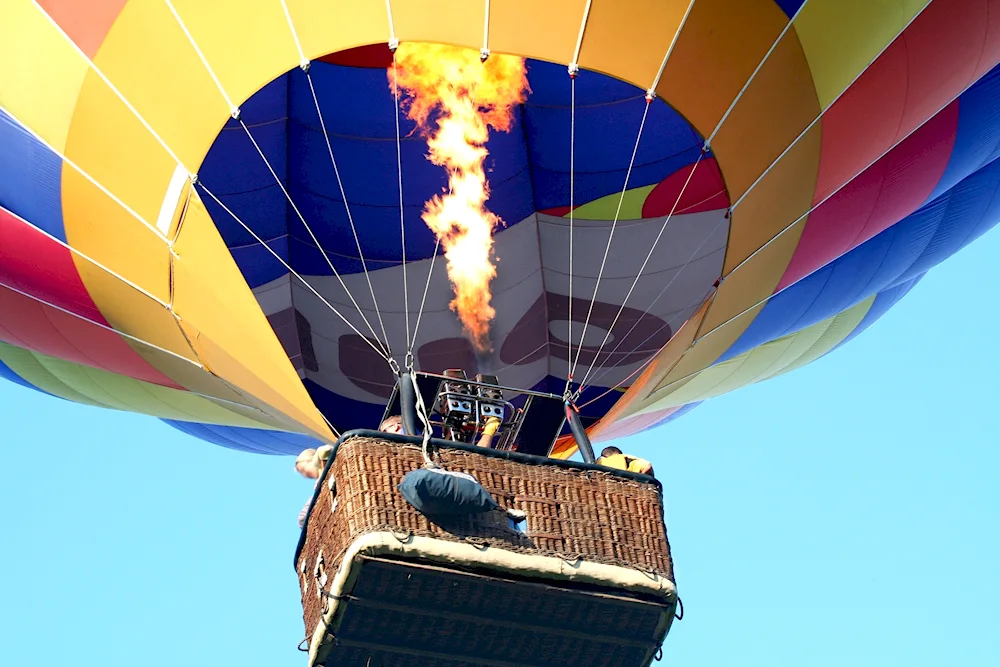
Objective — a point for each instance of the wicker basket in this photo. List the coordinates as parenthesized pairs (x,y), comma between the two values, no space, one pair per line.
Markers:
(589,532)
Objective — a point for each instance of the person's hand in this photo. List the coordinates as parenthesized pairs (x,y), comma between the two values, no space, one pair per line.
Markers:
(492,424)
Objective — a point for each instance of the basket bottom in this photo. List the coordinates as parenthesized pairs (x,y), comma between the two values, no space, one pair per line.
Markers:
(413,614)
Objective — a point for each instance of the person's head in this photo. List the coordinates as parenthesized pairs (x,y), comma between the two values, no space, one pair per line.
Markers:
(610,451)
(305,464)
(393,424)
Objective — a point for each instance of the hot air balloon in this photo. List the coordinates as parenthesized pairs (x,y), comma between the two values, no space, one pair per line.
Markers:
(214,213)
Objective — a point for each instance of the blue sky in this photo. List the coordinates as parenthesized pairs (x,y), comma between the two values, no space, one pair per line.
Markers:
(842,514)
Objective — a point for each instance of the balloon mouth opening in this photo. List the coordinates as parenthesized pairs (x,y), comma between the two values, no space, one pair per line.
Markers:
(302,226)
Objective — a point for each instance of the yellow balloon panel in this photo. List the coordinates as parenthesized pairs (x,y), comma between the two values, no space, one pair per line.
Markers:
(456,22)
(637,394)
(766,361)
(226,325)
(41,71)
(246,44)
(708,348)
(718,50)
(841,37)
(149,59)
(631,45)
(109,143)
(751,284)
(778,200)
(542,30)
(773,110)
(323,28)
(100,228)
(200,381)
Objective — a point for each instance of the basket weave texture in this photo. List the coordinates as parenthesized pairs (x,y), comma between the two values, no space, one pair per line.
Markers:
(571,513)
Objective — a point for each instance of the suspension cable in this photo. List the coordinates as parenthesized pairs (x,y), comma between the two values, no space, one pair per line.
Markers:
(603,367)
(572,204)
(638,275)
(303,61)
(235,112)
(93,181)
(136,339)
(650,95)
(146,344)
(791,225)
(347,207)
(484,52)
(815,206)
(315,240)
(423,300)
(574,69)
(292,271)
(305,66)
(399,183)
(713,134)
(645,364)
(614,224)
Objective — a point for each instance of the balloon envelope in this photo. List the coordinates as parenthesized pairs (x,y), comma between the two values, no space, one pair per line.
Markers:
(743,222)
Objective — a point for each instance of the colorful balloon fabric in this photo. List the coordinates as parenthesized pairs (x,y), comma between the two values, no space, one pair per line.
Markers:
(201,220)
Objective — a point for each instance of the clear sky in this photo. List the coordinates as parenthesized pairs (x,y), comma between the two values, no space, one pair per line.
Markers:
(844,514)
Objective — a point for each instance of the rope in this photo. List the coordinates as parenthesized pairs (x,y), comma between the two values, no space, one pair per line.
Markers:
(642,268)
(386,347)
(649,360)
(234,110)
(293,272)
(579,39)
(663,291)
(65,311)
(392,28)
(753,75)
(811,209)
(614,224)
(62,156)
(572,191)
(423,300)
(485,51)
(753,185)
(110,85)
(385,352)
(422,415)
(399,175)
(347,208)
(711,137)
(303,61)
(673,44)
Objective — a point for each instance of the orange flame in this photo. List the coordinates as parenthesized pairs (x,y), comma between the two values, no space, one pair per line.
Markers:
(470,97)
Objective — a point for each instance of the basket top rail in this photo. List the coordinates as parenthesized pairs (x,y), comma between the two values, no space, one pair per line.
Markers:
(439,443)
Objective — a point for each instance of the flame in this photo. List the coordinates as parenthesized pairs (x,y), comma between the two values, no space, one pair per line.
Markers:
(469,97)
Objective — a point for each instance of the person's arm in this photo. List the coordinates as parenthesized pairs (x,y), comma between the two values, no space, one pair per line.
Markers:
(642,466)
(492,424)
